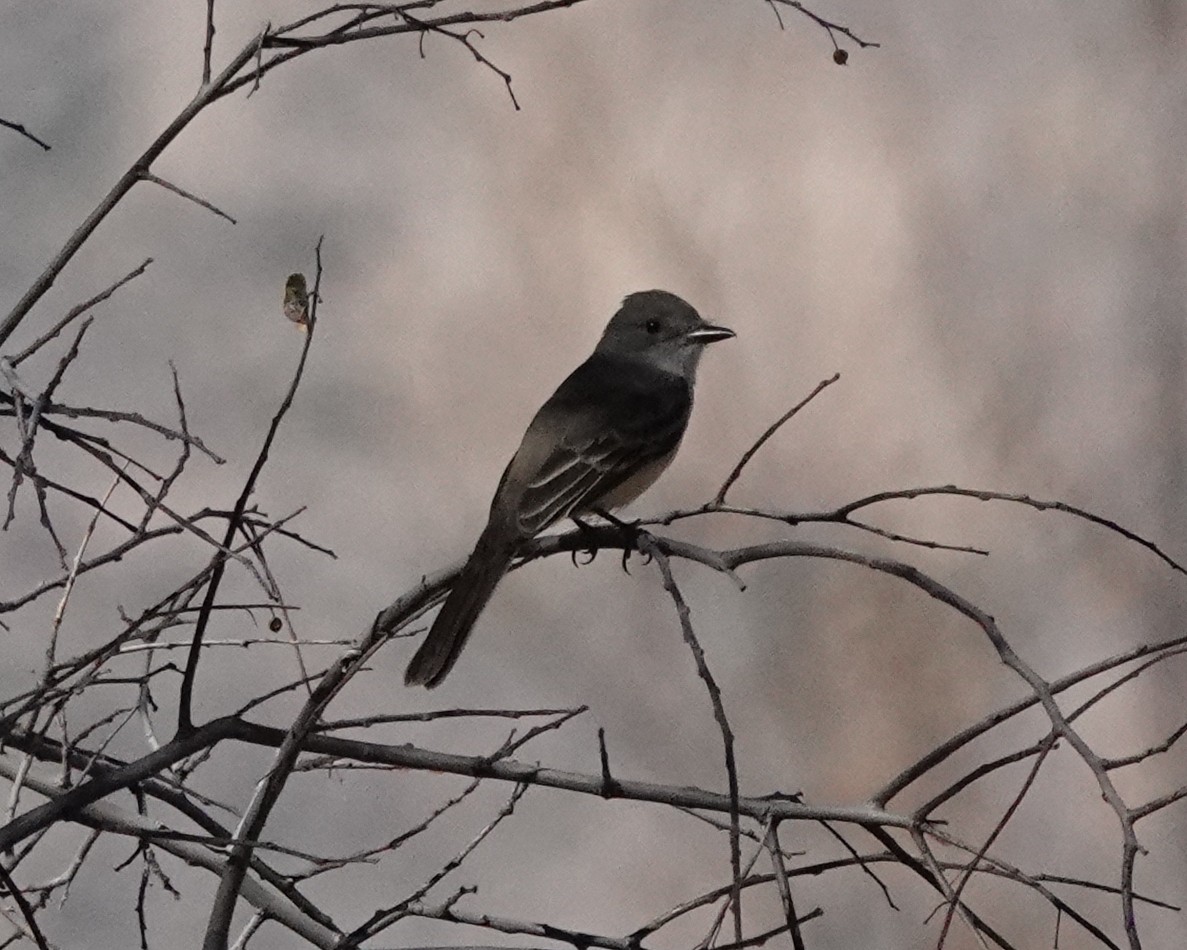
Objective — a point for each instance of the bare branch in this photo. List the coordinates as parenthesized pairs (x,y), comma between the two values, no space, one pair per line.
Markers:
(719,498)
(383,919)
(218,566)
(771,842)
(1035,503)
(829,27)
(25,132)
(189,196)
(209,93)
(647,545)
(208,48)
(23,905)
(70,752)
(75,312)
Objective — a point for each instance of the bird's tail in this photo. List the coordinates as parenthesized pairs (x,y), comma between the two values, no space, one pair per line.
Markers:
(472,589)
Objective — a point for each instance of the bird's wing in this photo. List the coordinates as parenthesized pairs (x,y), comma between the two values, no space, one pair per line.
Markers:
(606,422)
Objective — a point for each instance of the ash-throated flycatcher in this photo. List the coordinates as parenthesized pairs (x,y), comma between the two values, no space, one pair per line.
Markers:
(598,443)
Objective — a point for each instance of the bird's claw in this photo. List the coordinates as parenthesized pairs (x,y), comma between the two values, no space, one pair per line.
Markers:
(630,535)
(591,551)
(590,554)
(631,532)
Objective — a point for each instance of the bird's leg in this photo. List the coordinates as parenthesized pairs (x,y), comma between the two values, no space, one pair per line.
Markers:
(585,530)
(630,533)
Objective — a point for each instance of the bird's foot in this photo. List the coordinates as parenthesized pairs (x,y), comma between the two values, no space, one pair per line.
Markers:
(589,532)
(631,533)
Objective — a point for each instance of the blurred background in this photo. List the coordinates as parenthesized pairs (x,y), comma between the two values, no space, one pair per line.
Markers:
(981,225)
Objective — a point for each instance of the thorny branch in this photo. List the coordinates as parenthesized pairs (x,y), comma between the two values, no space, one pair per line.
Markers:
(163,776)
(334,25)
(727,734)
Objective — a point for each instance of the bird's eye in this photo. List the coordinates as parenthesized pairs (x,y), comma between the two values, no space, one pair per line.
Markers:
(652,327)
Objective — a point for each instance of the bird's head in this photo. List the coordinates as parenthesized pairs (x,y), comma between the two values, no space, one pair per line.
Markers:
(662,329)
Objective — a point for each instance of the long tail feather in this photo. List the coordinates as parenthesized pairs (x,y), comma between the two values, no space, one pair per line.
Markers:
(450,631)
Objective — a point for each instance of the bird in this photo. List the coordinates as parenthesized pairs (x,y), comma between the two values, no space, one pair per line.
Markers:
(601,440)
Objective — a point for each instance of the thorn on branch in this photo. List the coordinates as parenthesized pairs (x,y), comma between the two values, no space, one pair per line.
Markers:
(259,70)
(610,787)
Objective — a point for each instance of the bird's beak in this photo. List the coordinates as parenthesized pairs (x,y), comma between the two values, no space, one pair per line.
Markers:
(708,333)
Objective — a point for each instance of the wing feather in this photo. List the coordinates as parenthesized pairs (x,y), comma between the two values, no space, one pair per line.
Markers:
(607,421)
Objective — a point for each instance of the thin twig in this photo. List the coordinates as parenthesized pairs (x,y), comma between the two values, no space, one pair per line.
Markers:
(828,26)
(983,495)
(218,566)
(771,840)
(68,587)
(26,911)
(383,919)
(648,545)
(202,202)
(25,132)
(208,94)
(76,311)
(208,47)
(774,427)
(135,418)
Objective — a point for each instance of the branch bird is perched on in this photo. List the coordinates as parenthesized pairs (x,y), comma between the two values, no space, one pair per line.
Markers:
(598,443)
